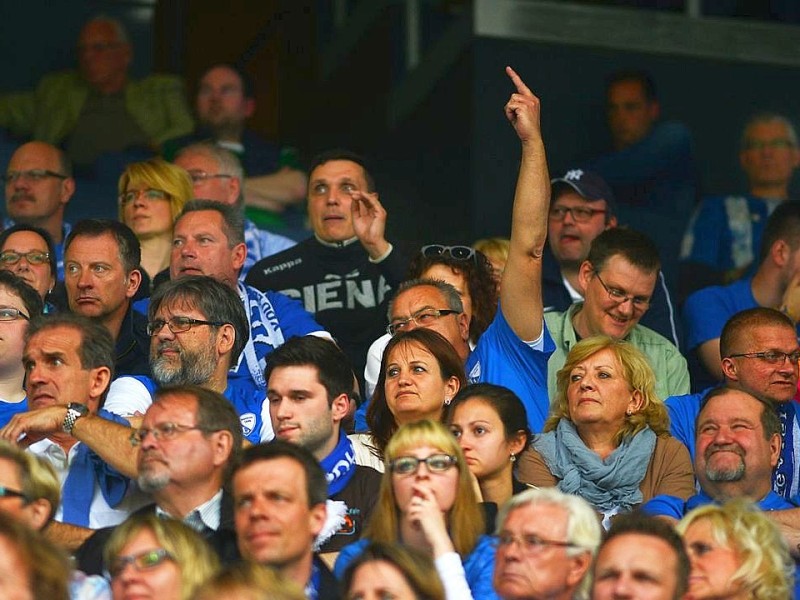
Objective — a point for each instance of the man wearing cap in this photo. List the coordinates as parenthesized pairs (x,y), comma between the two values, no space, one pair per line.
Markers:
(582,207)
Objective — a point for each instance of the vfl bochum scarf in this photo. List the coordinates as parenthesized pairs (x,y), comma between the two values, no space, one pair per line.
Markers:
(339,465)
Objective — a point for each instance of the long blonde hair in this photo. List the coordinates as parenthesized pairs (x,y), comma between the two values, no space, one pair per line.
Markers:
(637,373)
(465,520)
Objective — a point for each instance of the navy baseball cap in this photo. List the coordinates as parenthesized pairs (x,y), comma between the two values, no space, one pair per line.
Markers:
(589,185)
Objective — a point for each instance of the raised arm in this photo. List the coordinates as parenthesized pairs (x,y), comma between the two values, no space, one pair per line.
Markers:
(521,291)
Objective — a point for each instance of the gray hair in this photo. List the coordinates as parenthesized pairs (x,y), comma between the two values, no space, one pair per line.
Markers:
(227,162)
(451,297)
(768,117)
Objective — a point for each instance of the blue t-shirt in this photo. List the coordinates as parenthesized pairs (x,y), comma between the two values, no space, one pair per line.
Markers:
(9,409)
(672,506)
(707,310)
(501,358)
(478,565)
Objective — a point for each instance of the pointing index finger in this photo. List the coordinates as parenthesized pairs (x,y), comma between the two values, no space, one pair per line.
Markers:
(518,83)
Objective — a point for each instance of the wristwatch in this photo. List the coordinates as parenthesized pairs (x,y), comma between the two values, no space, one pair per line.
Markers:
(74,412)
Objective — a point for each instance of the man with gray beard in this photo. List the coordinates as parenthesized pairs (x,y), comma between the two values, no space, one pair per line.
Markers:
(198,328)
(738,443)
(188,440)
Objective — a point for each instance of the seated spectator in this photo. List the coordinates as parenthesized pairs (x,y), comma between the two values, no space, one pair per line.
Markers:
(607,439)
(546,542)
(39,185)
(723,238)
(217,175)
(31,567)
(225,101)
(641,557)
(582,206)
(151,196)
(102,276)
(19,303)
(160,557)
(496,250)
(434,510)
(249,581)
(735,552)
(618,279)
(29,253)
(392,571)
(469,272)
(420,375)
(281,534)
(491,426)
(776,284)
(98,108)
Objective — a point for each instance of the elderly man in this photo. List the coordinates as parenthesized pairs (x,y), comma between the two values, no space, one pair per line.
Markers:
(723,238)
(102,275)
(189,440)
(217,175)
(641,557)
(279,493)
(546,542)
(618,279)
(98,109)
(39,185)
(225,101)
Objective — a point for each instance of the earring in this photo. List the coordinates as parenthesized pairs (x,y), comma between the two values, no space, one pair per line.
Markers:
(629,412)
(513,458)
(447,400)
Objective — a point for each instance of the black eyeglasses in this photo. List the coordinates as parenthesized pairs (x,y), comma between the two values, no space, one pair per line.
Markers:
(436,463)
(150,194)
(144,561)
(529,542)
(423,318)
(12,314)
(456,252)
(579,214)
(773,357)
(162,431)
(178,324)
(197,175)
(8,493)
(618,296)
(32,175)
(34,257)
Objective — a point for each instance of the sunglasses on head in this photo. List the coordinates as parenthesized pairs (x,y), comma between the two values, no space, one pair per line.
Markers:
(455,252)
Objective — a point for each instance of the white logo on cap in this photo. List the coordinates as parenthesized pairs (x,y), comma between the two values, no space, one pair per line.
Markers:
(574,174)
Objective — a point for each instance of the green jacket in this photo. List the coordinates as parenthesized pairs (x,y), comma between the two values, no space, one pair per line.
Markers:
(672,373)
(157,103)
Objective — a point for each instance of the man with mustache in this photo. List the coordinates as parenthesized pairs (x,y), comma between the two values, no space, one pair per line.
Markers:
(39,184)
(738,445)
(189,439)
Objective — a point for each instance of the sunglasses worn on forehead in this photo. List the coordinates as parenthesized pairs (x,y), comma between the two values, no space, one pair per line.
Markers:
(455,252)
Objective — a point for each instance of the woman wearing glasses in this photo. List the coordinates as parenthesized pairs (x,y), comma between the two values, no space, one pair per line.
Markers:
(420,375)
(151,196)
(29,253)
(427,502)
(607,437)
(470,273)
(150,557)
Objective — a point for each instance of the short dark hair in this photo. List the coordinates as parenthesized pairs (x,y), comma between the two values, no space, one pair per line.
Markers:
(504,402)
(770,421)
(130,252)
(17,286)
(316,483)
(637,523)
(214,413)
(217,301)
(248,89)
(232,218)
(341,154)
(643,78)
(96,348)
(741,325)
(638,249)
(51,247)
(333,368)
(783,224)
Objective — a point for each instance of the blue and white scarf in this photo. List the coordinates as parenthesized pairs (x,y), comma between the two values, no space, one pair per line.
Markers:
(265,335)
(339,465)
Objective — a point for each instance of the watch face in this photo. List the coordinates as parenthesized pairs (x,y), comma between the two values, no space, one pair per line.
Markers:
(82,409)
